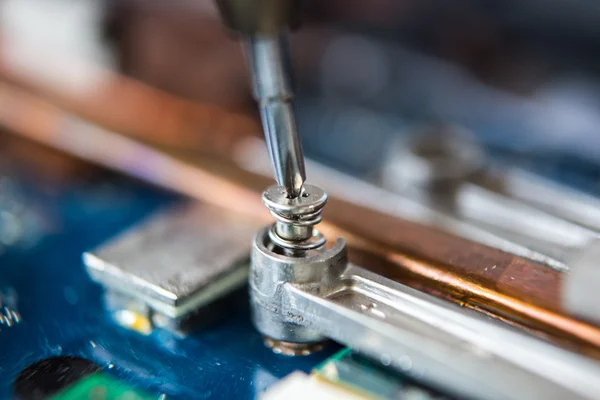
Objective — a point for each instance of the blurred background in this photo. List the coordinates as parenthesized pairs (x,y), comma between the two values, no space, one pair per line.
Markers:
(520,76)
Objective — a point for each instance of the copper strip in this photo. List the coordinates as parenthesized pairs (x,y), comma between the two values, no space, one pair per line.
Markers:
(129,106)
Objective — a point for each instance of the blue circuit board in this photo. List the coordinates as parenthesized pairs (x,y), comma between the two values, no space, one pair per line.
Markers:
(55,309)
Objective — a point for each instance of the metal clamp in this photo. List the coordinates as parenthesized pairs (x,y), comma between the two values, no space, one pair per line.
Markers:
(291,251)
(301,296)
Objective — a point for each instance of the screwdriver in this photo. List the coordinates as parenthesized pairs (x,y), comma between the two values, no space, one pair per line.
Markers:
(265,25)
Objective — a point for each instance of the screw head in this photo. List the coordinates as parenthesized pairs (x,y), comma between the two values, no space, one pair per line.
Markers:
(311,200)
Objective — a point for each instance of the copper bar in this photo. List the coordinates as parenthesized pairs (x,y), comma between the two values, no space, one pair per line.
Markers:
(126,105)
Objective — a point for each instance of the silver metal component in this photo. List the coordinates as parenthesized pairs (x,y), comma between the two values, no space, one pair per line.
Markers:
(168,267)
(251,156)
(440,343)
(291,250)
(434,160)
(272,314)
(269,61)
(295,217)
(462,351)
(293,349)
(580,285)
(444,170)
(554,198)
(300,298)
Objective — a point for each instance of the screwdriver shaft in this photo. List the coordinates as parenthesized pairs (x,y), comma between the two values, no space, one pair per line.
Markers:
(269,61)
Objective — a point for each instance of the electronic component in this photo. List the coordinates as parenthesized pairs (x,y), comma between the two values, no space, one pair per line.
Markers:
(19,222)
(349,370)
(9,314)
(300,386)
(163,271)
(349,376)
(100,386)
(71,378)
(47,377)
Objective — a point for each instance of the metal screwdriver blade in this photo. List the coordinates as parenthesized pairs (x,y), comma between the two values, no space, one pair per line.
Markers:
(270,71)
(284,146)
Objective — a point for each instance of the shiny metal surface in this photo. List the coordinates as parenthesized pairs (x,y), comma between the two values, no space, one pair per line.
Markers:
(554,198)
(445,170)
(439,342)
(513,227)
(293,349)
(580,294)
(296,217)
(269,61)
(177,261)
(272,313)
(434,160)
(307,297)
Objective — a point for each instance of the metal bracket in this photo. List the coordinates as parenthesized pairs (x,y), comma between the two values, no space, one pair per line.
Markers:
(298,300)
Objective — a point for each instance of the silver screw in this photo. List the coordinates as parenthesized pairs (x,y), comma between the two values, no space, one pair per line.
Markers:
(295,218)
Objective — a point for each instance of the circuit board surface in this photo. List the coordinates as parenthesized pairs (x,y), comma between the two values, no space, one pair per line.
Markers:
(56,310)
